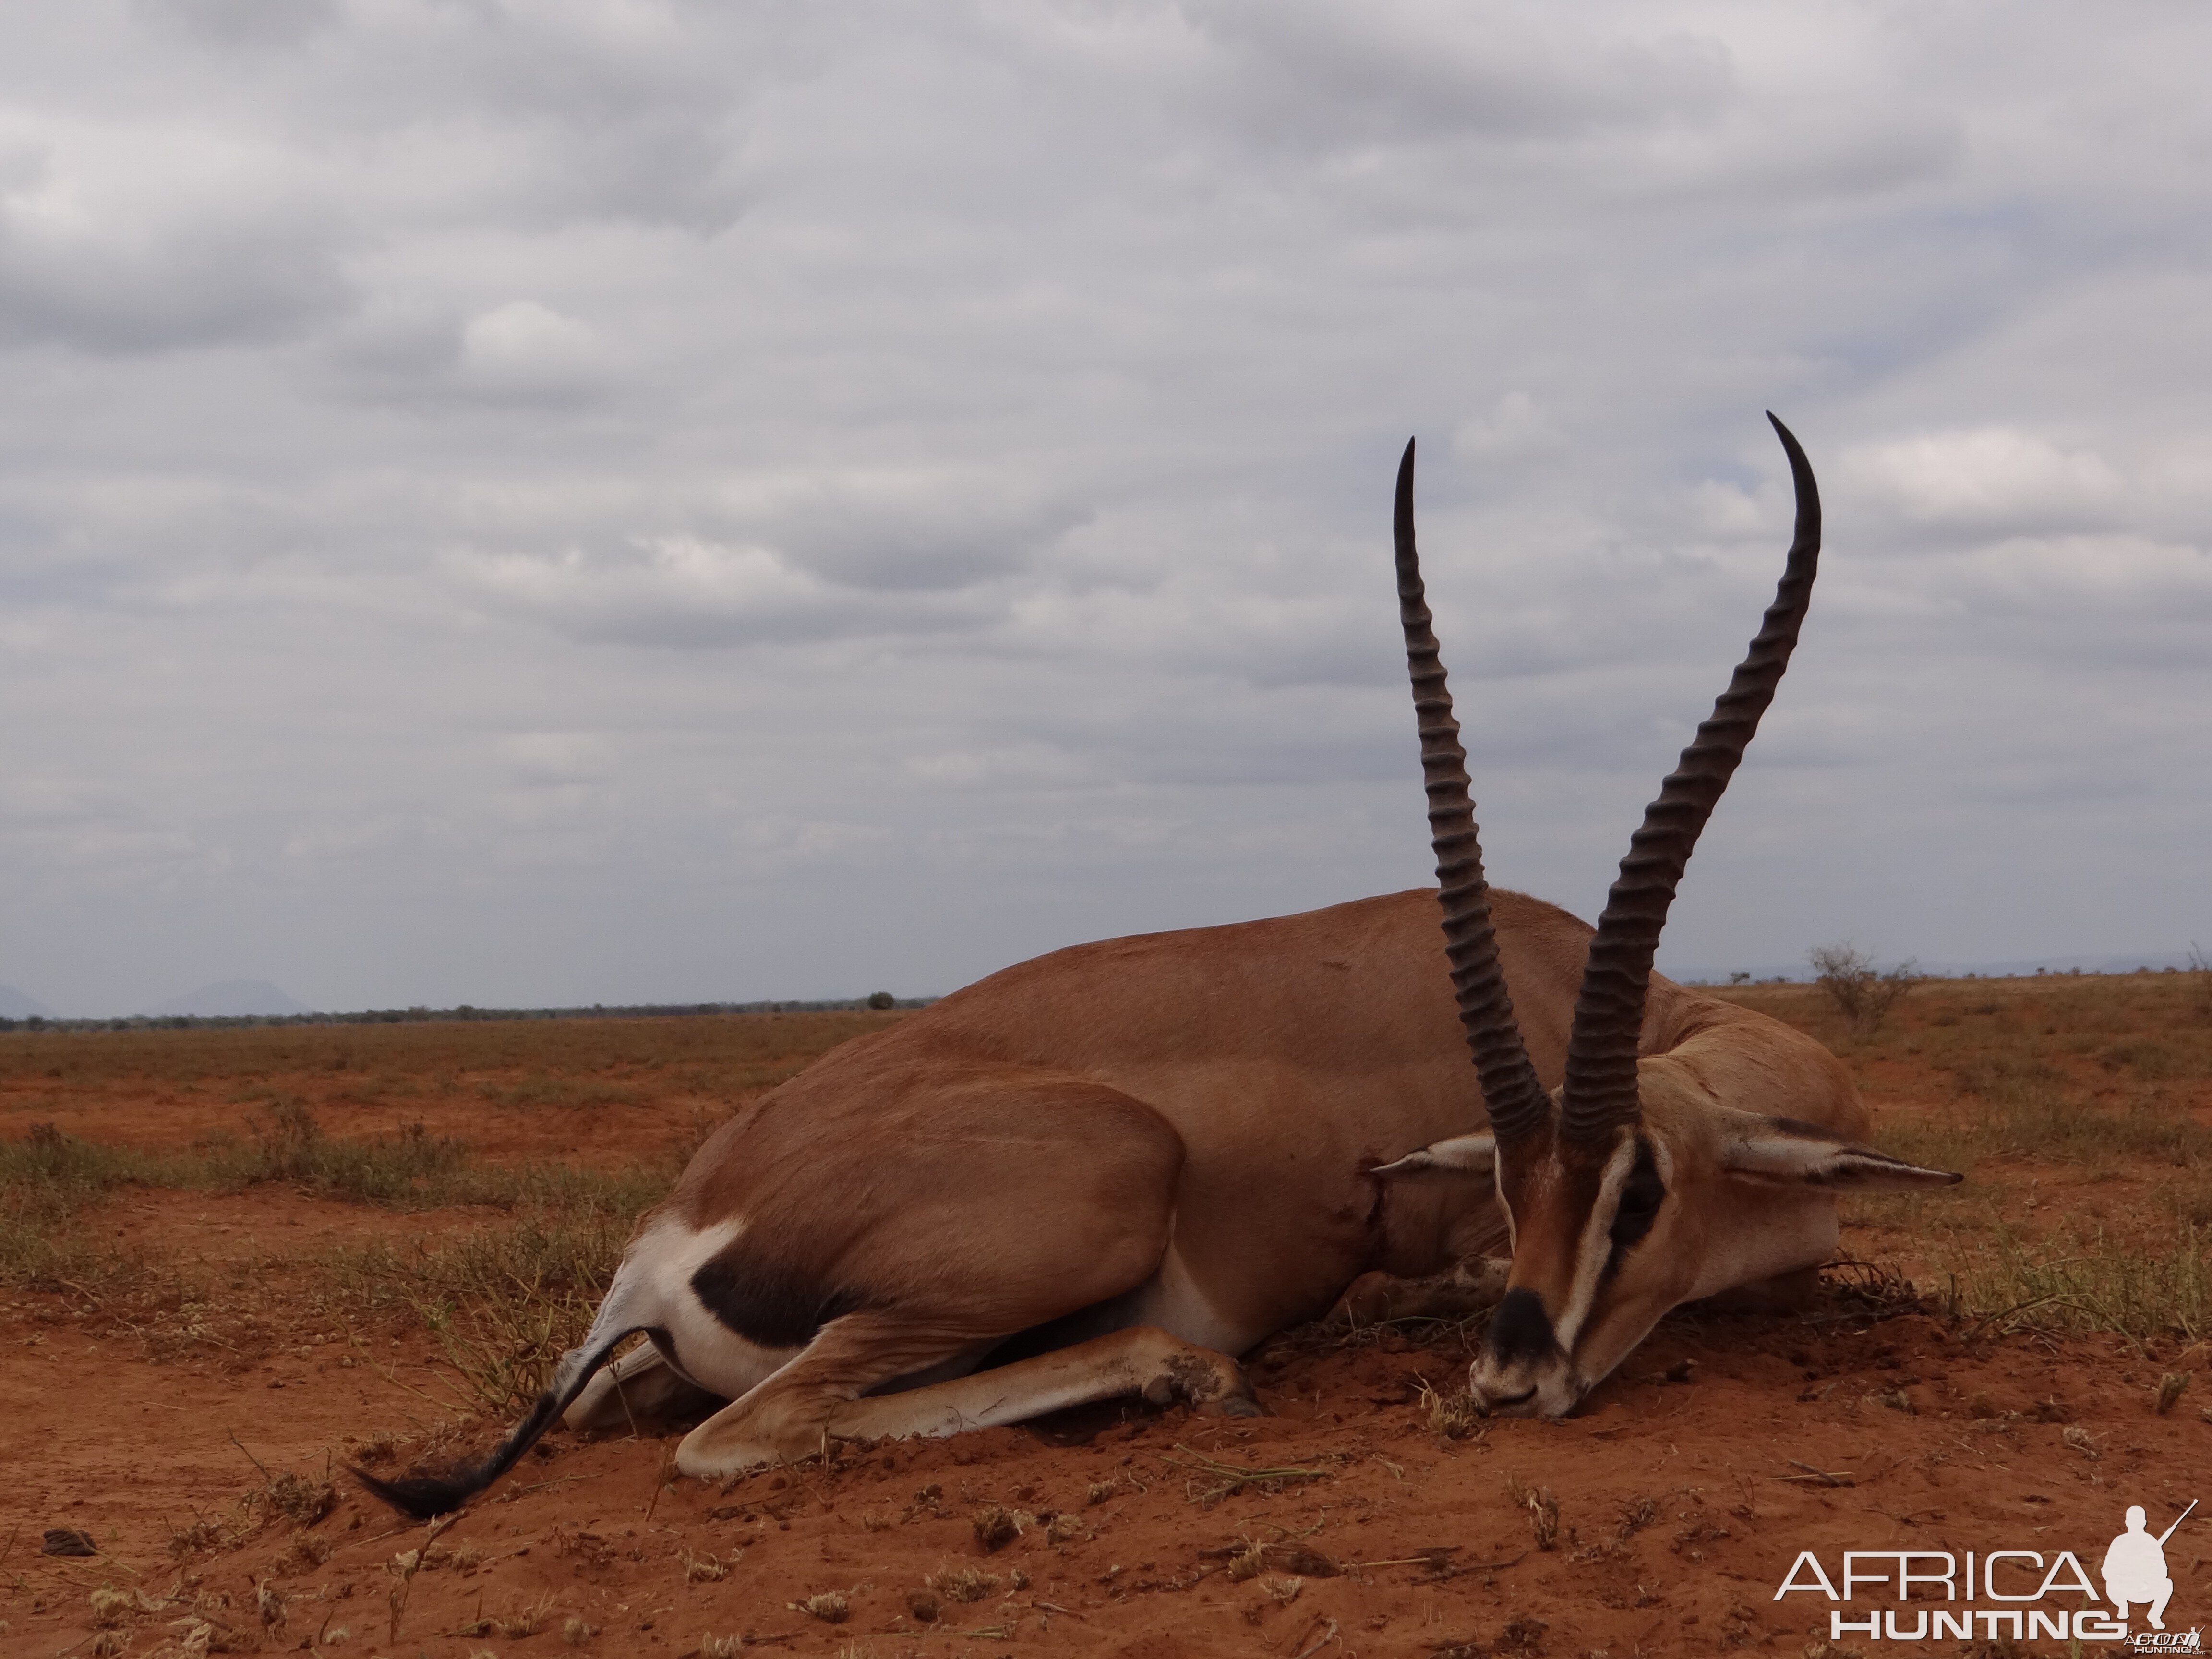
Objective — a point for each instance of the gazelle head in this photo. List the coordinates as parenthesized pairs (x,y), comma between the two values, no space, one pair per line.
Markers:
(1633,1187)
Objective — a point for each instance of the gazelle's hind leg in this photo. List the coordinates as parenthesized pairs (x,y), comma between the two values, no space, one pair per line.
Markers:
(822,1393)
(1470,1286)
(640,1386)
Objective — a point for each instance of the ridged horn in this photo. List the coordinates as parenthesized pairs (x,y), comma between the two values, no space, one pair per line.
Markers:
(1600,1088)
(1516,1102)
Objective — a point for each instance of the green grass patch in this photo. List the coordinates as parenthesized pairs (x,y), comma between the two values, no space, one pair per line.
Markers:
(2088,1283)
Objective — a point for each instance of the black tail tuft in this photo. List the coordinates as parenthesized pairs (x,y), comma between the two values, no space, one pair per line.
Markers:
(426,1496)
(422,1496)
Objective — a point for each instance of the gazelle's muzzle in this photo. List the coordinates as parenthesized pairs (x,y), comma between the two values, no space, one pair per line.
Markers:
(1521,1371)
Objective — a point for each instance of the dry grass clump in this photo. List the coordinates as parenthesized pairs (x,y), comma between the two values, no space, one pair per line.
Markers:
(291,1147)
(111,1607)
(525,1621)
(831,1607)
(1453,1416)
(1636,1514)
(962,1583)
(305,1552)
(505,1301)
(201,1534)
(706,1569)
(996,1527)
(376,1447)
(296,1498)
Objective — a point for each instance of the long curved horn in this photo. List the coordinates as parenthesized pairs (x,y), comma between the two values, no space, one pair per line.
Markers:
(1600,1088)
(1515,1101)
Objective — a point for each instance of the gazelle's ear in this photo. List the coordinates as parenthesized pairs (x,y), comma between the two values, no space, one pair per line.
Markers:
(1463,1157)
(1782,1151)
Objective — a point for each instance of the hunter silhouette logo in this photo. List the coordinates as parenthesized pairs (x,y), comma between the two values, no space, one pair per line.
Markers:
(2012,1594)
(2134,1567)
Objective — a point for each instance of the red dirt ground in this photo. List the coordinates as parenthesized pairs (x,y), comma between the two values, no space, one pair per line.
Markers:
(1684,1491)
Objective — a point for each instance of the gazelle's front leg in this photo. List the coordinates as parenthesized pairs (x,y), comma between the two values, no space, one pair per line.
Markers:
(816,1396)
(1471,1286)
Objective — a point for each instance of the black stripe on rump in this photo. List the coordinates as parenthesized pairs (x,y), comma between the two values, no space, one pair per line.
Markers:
(422,1496)
(766,1302)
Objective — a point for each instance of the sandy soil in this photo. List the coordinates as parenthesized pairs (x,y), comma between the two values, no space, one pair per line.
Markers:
(1683,1492)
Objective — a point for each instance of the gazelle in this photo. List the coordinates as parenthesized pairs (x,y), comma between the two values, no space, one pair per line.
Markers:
(1113,1169)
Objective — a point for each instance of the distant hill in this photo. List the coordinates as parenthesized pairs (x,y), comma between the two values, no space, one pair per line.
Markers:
(230,998)
(13,1005)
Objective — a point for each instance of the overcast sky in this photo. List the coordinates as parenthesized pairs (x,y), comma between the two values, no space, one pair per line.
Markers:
(560,501)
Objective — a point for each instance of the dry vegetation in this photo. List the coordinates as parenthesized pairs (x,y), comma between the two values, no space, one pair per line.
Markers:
(507,1292)
(456,1194)
(2078,1106)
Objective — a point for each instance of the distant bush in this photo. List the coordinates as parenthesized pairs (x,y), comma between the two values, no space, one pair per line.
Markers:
(882,1000)
(1863,993)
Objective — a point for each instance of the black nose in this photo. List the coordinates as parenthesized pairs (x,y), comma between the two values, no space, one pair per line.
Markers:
(1520,1330)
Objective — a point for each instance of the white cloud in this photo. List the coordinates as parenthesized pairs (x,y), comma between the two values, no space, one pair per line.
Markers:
(1994,477)
(526,350)
(1514,429)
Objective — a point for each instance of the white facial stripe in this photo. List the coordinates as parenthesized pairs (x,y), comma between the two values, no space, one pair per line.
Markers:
(1596,1247)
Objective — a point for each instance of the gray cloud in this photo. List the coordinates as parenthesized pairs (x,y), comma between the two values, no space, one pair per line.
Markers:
(591,502)
(1309,74)
(95,255)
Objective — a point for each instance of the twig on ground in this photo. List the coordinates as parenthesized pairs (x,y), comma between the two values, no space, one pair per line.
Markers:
(420,1553)
(250,1457)
(1234,1477)
(1822,1477)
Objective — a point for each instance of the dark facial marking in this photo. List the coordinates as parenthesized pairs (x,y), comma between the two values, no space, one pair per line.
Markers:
(1520,1330)
(765,1302)
(1641,1195)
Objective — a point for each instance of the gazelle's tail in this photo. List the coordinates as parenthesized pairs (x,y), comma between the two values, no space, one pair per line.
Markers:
(425,1495)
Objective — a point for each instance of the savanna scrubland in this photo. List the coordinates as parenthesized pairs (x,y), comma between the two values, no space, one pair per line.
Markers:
(234,1261)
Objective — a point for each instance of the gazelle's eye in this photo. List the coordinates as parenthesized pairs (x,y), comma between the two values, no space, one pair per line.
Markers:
(1641,1194)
